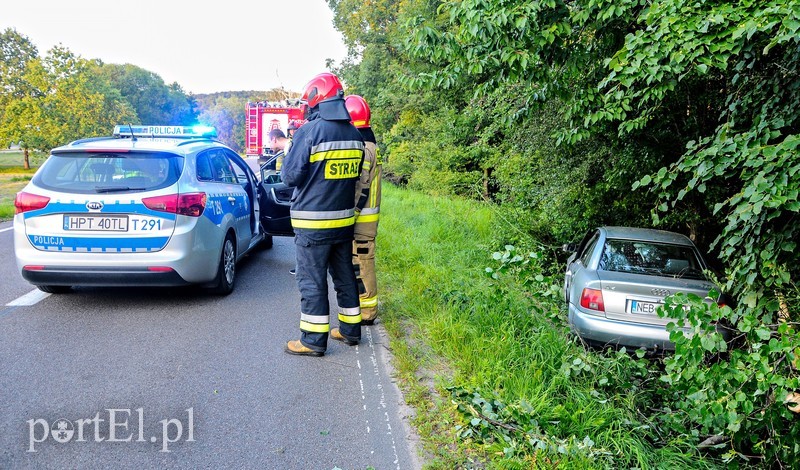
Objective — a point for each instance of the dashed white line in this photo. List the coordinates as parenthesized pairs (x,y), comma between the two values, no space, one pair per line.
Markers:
(31,298)
(382,400)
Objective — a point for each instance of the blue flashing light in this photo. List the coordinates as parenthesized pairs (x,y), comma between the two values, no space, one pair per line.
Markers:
(206,131)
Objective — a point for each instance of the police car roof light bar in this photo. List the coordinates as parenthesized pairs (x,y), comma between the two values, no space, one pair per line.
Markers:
(125,131)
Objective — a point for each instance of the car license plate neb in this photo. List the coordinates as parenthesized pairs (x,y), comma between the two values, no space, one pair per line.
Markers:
(647,308)
(98,223)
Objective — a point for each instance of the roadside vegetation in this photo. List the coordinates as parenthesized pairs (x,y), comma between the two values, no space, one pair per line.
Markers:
(479,333)
(13,177)
(566,116)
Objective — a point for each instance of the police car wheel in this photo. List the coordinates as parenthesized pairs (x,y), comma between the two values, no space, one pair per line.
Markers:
(226,272)
(55,289)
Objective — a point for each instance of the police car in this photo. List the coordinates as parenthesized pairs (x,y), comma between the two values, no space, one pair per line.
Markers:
(149,206)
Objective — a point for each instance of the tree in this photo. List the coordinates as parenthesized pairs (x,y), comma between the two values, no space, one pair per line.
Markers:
(153,101)
(68,99)
(16,51)
(228,117)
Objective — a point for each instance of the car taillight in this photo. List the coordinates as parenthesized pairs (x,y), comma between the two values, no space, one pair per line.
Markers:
(592,299)
(191,204)
(25,202)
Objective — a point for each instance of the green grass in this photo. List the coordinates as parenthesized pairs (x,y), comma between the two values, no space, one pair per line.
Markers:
(488,363)
(13,177)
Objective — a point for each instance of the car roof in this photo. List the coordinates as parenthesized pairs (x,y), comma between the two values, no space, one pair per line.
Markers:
(649,234)
(163,144)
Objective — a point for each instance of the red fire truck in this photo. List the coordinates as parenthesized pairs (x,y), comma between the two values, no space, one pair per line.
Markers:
(263,116)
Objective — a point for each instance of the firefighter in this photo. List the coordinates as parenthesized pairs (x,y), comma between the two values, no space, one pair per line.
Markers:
(368,201)
(324,164)
(291,129)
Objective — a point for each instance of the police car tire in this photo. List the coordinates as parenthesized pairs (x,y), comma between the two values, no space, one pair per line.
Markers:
(55,289)
(223,286)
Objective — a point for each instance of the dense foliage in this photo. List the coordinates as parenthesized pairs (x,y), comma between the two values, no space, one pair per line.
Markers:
(666,113)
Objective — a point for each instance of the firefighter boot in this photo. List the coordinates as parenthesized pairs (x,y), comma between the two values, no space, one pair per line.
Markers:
(296,347)
(337,335)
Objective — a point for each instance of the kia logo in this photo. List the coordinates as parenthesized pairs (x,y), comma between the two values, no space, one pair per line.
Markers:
(94,205)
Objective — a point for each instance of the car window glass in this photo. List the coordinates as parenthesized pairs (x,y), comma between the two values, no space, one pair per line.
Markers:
(109,172)
(584,241)
(651,258)
(204,171)
(240,172)
(587,253)
(223,171)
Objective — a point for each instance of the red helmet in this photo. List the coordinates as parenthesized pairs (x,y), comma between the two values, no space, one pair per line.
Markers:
(320,88)
(358,109)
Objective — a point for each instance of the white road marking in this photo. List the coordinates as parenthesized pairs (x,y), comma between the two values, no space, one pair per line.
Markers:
(382,400)
(31,298)
(6,229)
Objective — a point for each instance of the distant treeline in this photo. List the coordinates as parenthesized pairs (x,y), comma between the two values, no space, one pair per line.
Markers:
(49,100)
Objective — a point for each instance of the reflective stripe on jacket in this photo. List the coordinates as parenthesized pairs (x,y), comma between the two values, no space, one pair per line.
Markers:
(368,197)
(324,163)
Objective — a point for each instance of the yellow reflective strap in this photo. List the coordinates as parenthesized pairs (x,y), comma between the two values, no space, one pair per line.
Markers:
(335,155)
(373,191)
(315,327)
(323,224)
(351,319)
(367,218)
(367,302)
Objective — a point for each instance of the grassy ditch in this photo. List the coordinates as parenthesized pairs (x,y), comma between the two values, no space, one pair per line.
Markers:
(484,356)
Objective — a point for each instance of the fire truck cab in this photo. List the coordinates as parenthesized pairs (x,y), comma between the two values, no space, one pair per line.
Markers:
(264,116)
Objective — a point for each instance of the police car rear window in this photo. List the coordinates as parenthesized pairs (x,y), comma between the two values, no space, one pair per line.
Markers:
(109,172)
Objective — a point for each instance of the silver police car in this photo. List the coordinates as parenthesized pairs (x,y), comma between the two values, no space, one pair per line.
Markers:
(617,277)
(149,206)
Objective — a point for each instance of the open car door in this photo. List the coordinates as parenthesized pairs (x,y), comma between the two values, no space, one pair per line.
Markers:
(275,198)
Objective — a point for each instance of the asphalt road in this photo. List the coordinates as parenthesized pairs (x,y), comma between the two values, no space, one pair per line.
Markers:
(118,373)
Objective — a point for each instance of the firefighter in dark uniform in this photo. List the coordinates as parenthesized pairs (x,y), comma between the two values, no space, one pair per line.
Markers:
(368,203)
(323,164)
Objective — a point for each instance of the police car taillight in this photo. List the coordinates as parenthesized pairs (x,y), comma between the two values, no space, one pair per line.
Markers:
(191,204)
(25,202)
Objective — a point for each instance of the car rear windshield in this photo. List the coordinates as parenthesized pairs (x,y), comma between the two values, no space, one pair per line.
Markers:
(652,258)
(109,172)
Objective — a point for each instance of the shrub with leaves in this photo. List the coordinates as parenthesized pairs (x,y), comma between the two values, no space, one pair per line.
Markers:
(739,399)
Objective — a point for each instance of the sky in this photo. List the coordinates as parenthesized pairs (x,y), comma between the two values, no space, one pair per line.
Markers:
(231,45)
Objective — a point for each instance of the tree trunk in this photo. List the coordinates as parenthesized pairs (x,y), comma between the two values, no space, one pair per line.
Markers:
(26,163)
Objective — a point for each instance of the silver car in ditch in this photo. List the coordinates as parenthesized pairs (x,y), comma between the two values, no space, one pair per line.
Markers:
(148,206)
(617,277)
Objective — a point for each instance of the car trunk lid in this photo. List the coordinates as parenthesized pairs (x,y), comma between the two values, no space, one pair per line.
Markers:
(636,297)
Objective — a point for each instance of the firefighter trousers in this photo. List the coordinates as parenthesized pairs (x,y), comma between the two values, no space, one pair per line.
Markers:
(364,265)
(314,262)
